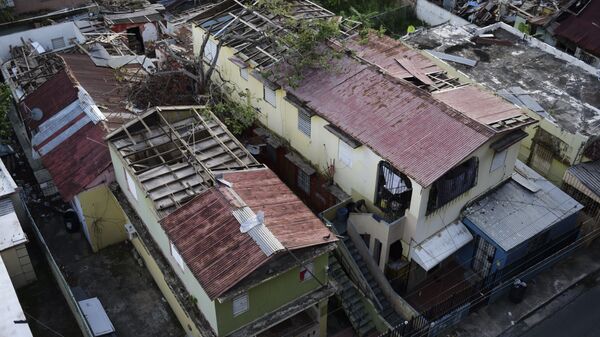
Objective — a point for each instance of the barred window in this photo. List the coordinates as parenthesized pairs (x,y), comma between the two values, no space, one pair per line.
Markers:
(303,181)
(244,73)
(304,122)
(270,96)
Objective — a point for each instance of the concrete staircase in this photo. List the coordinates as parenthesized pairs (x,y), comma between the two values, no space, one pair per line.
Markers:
(386,311)
(350,298)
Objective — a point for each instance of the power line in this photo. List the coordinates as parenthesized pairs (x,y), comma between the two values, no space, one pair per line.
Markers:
(44,325)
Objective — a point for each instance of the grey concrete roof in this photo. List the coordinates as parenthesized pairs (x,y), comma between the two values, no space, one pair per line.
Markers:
(565,91)
(513,213)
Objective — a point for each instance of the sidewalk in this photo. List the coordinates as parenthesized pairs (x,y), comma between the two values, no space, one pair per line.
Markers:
(496,318)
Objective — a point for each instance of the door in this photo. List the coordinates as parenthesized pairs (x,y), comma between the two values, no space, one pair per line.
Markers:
(484,257)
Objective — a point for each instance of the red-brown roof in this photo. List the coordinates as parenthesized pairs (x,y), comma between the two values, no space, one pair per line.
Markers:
(102,85)
(583,29)
(208,236)
(78,160)
(51,97)
(484,107)
(406,126)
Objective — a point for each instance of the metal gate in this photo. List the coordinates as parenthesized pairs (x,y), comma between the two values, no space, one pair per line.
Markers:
(484,257)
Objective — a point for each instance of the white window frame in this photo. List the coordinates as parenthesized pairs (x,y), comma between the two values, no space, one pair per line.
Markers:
(210,50)
(304,122)
(498,160)
(240,304)
(345,154)
(244,74)
(303,181)
(177,257)
(307,271)
(130,184)
(270,95)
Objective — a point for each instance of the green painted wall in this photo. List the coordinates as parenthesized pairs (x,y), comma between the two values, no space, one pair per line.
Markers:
(271,295)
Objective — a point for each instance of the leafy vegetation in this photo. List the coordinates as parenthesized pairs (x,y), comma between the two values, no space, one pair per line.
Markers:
(5,102)
(237,116)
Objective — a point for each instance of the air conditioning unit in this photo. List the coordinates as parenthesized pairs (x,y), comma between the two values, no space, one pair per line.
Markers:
(131,232)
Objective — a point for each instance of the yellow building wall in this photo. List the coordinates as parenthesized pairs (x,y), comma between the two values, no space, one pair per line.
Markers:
(19,267)
(185,321)
(104,219)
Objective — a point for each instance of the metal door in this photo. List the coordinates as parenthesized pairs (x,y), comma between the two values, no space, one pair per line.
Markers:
(484,257)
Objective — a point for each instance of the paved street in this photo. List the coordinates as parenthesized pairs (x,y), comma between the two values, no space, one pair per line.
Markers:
(575,315)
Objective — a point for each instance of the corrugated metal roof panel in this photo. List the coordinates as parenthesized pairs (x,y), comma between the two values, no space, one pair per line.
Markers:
(417,134)
(208,237)
(588,174)
(512,214)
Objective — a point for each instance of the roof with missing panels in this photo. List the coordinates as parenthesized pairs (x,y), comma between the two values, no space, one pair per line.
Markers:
(381,96)
(417,134)
(173,151)
(582,29)
(568,93)
(207,234)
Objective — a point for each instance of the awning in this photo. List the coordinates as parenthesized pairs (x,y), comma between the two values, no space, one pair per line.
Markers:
(440,245)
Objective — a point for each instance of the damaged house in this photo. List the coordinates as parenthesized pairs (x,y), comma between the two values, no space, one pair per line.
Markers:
(406,146)
(235,252)
(66,103)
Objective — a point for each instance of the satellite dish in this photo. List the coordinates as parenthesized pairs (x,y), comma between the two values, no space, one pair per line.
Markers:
(36,114)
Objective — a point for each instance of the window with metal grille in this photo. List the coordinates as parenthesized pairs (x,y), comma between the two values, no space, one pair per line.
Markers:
(269,96)
(210,50)
(177,257)
(130,184)
(303,181)
(454,183)
(393,192)
(498,161)
(304,122)
(306,272)
(58,43)
(345,154)
(240,304)
(244,73)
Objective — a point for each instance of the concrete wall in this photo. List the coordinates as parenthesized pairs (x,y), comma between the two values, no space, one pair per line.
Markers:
(17,262)
(434,15)
(43,35)
(103,219)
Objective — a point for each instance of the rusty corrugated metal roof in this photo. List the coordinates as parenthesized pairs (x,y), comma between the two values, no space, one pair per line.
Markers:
(102,85)
(78,160)
(406,126)
(208,236)
(583,29)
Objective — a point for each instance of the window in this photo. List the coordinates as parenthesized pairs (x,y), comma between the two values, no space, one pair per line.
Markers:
(58,43)
(130,184)
(454,183)
(176,256)
(304,181)
(307,271)
(270,96)
(304,122)
(394,191)
(240,304)
(498,161)
(210,50)
(244,73)
(345,154)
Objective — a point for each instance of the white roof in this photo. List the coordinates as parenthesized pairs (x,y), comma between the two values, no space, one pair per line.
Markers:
(440,245)
(7,184)
(521,208)
(11,233)
(10,308)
